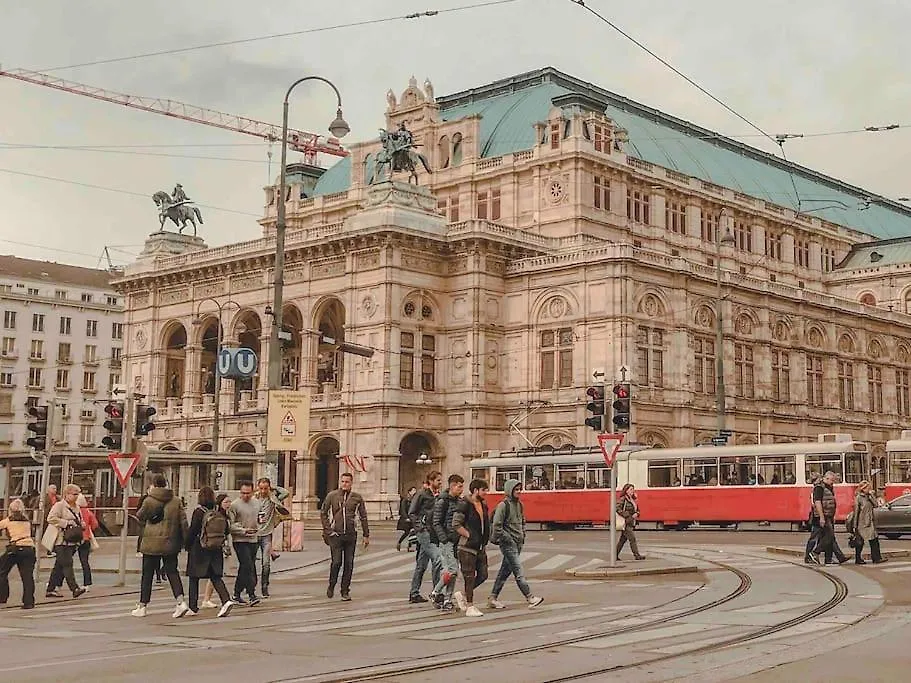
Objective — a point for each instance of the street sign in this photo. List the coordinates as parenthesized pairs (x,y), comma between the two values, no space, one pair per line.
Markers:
(288,421)
(610,444)
(598,373)
(622,373)
(719,441)
(236,363)
(123,465)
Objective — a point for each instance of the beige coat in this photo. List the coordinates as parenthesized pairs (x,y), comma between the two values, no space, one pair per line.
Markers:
(61,516)
(863,516)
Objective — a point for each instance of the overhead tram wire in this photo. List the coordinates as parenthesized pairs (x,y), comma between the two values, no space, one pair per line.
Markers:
(288,34)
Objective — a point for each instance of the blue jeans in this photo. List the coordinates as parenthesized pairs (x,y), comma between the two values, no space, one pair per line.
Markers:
(427,553)
(448,563)
(511,564)
(265,545)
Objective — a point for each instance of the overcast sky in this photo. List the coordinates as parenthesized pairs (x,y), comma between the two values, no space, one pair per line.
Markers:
(809,66)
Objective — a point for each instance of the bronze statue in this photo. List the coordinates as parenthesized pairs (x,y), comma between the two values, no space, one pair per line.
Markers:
(397,154)
(178,207)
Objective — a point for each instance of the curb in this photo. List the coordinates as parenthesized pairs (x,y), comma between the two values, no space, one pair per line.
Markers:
(799,552)
(608,573)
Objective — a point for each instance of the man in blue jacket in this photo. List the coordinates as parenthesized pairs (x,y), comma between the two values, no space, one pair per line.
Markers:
(508,532)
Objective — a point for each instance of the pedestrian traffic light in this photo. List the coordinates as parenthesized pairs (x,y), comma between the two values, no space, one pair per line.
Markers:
(39,427)
(595,406)
(114,425)
(622,406)
(144,423)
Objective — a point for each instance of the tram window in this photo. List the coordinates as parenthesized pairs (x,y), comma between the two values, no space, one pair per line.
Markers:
(820,463)
(855,467)
(479,473)
(570,477)
(738,470)
(700,472)
(900,467)
(539,477)
(598,477)
(663,473)
(507,473)
(777,469)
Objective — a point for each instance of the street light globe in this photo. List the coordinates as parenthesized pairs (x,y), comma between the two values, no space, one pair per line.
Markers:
(339,128)
(423,459)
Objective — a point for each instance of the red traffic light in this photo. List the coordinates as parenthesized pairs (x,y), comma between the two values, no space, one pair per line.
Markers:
(596,393)
(113,410)
(621,390)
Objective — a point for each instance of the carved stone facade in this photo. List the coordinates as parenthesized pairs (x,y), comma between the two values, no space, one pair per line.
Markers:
(479,310)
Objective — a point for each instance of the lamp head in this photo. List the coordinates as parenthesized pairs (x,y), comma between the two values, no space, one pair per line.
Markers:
(339,128)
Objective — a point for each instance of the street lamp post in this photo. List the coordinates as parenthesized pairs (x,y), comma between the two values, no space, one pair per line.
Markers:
(216,426)
(339,128)
(720,241)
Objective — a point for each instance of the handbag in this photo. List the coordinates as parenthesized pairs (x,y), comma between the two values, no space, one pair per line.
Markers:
(621,523)
(94,542)
(74,533)
(49,538)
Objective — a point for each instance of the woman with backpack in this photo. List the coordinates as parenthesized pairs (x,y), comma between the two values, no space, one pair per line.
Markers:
(205,548)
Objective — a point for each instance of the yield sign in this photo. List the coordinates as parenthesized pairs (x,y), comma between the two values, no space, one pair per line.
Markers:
(123,465)
(610,444)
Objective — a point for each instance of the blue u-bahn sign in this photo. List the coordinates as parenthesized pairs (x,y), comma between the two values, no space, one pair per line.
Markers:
(237,363)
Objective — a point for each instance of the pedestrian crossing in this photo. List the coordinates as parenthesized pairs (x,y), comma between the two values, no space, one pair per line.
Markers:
(386,565)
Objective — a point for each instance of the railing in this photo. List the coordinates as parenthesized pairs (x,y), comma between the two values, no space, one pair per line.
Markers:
(640,164)
(524,155)
(482,226)
(745,198)
(489,163)
(335,196)
(712,187)
(679,177)
(774,208)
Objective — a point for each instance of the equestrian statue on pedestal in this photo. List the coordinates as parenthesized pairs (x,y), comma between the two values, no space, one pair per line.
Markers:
(178,207)
(398,154)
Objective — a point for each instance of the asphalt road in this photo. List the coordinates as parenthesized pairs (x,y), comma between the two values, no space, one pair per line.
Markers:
(745,615)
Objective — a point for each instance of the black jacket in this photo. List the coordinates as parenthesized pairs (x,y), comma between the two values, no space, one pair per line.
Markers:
(466,516)
(443,510)
(421,512)
(202,562)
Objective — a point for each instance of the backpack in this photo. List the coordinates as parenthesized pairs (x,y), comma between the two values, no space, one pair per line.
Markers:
(214,530)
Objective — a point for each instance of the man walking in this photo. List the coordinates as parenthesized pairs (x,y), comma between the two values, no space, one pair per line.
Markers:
(271,512)
(421,514)
(243,520)
(471,523)
(508,532)
(339,515)
(443,510)
(824,505)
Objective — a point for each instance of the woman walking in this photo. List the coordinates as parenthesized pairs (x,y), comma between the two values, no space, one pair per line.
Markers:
(404,523)
(205,548)
(20,553)
(164,535)
(89,524)
(65,516)
(222,502)
(864,525)
(628,511)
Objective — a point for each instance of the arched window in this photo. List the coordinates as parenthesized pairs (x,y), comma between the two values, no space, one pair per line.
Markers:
(444,151)
(456,149)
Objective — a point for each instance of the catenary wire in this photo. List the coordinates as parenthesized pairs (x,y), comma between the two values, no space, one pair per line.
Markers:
(102,149)
(63,251)
(287,34)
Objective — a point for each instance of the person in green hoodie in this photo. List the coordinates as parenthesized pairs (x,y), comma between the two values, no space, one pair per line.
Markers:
(508,532)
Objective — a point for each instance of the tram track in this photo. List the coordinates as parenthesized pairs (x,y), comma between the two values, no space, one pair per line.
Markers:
(437,663)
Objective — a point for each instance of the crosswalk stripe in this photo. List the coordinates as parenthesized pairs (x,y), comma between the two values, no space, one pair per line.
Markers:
(590,563)
(895,569)
(513,625)
(379,562)
(553,563)
(439,620)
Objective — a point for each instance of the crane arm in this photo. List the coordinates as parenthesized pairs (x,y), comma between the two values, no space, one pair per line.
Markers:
(308,143)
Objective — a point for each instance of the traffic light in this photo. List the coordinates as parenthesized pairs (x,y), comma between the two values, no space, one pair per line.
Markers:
(39,427)
(144,423)
(595,407)
(622,406)
(114,425)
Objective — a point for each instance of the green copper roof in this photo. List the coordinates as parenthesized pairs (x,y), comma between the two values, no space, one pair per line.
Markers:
(877,254)
(510,108)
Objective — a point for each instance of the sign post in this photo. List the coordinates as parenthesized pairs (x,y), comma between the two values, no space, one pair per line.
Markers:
(123,466)
(610,444)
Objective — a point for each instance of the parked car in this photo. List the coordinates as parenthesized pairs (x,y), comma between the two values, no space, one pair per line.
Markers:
(894,518)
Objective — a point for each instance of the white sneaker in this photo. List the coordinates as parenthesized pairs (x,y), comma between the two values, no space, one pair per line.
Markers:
(140,611)
(473,611)
(181,609)
(460,601)
(226,609)
(85,589)
(493,603)
(535,600)
(208,604)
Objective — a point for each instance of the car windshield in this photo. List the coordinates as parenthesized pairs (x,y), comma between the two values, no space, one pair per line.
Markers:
(902,501)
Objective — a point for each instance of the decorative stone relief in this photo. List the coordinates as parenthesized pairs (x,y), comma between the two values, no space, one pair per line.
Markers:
(815,338)
(492,362)
(142,338)
(137,383)
(205,289)
(651,306)
(705,317)
(556,307)
(323,422)
(458,265)
(368,305)
(493,310)
(409,309)
(174,296)
(903,354)
(419,262)
(459,308)
(370,259)
(295,274)
(556,191)
(780,331)
(496,266)
(244,282)
(327,268)
(459,361)
(845,344)
(875,349)
(139,300)
(744,324)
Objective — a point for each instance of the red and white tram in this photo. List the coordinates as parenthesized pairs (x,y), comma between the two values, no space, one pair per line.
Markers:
(898,466)
(679,486)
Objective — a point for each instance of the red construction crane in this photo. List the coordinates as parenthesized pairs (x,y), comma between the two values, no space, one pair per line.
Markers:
(307,143)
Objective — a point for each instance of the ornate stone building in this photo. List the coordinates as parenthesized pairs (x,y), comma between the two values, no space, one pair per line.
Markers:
(563,228)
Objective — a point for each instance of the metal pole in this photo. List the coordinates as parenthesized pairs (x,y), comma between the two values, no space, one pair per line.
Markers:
(45,482)
(128,440)
(216,409)
(613,511)
(719,333)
